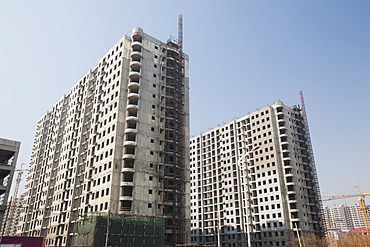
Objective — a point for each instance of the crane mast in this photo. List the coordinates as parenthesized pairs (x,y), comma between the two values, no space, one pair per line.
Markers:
(308,138)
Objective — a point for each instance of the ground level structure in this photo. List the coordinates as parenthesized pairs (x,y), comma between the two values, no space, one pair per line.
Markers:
(121,230)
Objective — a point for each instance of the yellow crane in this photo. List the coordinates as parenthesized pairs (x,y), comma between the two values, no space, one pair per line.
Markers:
(361,202)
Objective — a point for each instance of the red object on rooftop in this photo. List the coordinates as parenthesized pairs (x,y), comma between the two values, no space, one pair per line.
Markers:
(357,230)
(24,241)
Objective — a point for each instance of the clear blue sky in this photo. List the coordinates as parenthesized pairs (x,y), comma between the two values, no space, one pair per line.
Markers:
(244,55)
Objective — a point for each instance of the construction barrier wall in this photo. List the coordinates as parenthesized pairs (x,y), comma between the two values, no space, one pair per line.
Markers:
(123,231)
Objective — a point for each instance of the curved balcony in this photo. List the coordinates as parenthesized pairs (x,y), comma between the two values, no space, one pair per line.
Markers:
(126,198)
(129,143)
(284,143)
(283,135)
(279,113)
(127,184)
(282,127)
(136,54)
(133,85)
(129,130)
(137,34)
(132,107)
(134,74)
(128,169)
(137,43)
(136,48)
(135,68)
(135,64)
(281,120)
(132,118)
(133,95)
(128,156)
(286,158)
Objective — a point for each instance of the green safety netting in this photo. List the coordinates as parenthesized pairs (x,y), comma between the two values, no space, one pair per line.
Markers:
(123,231)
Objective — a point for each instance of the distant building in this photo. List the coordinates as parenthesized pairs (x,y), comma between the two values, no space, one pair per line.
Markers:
(9,151)
(15,208)
(334,235)
(117,143)
(345,217)
(252,181)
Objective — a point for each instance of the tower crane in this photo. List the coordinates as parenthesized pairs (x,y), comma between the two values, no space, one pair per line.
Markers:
(18,180)
(361,201)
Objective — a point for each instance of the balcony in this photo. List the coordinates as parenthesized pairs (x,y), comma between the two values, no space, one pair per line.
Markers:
(289,174)
(133,96)
(135,64)
(128,169)
(283,135)
(134,75)
(129,130)
(132,118)
(282,127)
(289,183)
(136,43)
(137,34)
(128,156)
(124,183)
(133,84)
(292,200)
(126,198)
(129,143)
(131,106)
(136,56)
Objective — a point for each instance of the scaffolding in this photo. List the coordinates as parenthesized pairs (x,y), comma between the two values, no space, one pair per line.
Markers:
(315,182)
(174,158)
(120,230)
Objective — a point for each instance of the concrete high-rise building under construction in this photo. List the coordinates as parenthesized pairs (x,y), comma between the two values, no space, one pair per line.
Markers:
(118,143)
(253,182)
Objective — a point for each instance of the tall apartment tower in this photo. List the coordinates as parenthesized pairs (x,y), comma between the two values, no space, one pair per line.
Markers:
(345,217)
(118,142)
(252,181)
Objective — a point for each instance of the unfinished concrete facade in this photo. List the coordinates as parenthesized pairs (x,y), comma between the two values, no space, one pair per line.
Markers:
(9,151)
(117,142)
(252,181)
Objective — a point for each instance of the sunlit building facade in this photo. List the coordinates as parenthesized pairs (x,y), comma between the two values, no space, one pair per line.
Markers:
(252,181)
(118,142)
